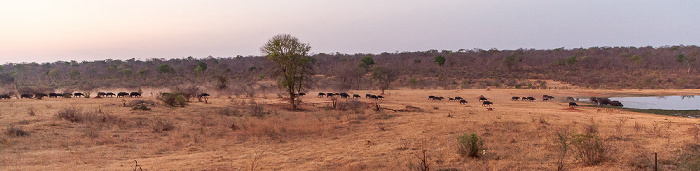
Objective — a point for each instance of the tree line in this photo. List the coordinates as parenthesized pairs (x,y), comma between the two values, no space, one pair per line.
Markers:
(594,67)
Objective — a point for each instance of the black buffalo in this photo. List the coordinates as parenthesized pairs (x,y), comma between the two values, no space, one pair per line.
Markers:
(462,101)
(431,97)
(616,103)
(373,97)
(110,94)
(482,98)
(321,94)
(55,95)
(530,98)
(122,94)
(28,96)
(486,103)
(39,95)
(5,96)
(380,97)
(515,98)
(203,95)
(573,104)
(355,96)
(458,98)
(135,94)
(78,94)
(101,94)
(368,95)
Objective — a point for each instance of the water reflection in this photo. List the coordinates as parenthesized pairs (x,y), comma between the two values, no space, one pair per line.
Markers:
(687,102)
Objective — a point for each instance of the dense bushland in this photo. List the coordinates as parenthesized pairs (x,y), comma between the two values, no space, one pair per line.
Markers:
(594,67)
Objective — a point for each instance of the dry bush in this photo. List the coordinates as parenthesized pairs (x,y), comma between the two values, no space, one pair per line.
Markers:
(589,148)
(422,163)
(641,159)
(187,92)
(15,131)
(31,111)
(257,110)
(690,158)
(591,128)
(561,142)
(353,105)
(470,145)
(141,104)
(283,127)
(227,111)
(74,115)
(161,125)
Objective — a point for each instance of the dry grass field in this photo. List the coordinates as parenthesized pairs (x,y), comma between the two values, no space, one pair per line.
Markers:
(261,134)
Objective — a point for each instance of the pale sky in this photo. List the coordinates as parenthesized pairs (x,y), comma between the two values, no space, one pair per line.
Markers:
(48,30)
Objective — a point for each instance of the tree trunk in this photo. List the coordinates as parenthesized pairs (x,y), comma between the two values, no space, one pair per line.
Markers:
(292,97)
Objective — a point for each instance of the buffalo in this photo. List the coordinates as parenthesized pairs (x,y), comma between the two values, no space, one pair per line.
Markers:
(78,94)
(482,98)
(39,95)
(380,97)
(203,95)
(28,96)
(431,97)
(344,95)
(486,103)
(462,101)
(515,98)
(616,103)
(458,98)
(122,94)
(110,94)
(101,94)
(530,98)
(355,96)
(5,96)
(55,95)
(573,104)
(135,94)
(321,94)
(367,95)
(450,99)
(373,97)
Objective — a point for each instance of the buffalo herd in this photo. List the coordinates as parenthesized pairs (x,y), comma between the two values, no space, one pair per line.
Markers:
(69,95)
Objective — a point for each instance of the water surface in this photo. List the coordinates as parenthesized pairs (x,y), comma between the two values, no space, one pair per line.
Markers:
(661,102)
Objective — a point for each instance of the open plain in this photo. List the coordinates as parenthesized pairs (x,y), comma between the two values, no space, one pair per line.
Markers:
(260,133)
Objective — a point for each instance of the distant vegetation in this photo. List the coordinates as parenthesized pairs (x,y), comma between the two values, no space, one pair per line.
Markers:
(595,67)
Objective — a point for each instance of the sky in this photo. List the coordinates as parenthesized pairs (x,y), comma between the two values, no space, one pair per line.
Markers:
(48,31)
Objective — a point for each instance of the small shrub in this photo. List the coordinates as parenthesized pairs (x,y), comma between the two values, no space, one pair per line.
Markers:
(17,132)
(86,94)
(470,145)
(161,125)
(31,111)
(140,107)
(561,141)
(173,99)
(589,148)
(690,159)
(257,110)
(72,115)
(227,111)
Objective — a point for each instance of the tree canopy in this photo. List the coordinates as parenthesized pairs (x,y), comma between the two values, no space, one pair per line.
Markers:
(291,63)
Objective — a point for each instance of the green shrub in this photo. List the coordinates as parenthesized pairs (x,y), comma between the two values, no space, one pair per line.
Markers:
(470,145)
(173,99)
(589,148)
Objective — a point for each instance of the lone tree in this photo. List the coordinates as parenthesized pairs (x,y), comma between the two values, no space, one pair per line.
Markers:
(440,60)
(366,62)
(291,63)
(384,76)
